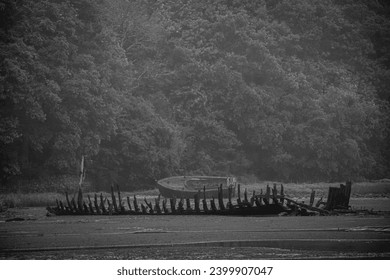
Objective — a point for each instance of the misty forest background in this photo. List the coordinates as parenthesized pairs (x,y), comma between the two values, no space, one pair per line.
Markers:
(290,90)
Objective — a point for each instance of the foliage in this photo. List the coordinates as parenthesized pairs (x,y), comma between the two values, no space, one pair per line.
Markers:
(292,90)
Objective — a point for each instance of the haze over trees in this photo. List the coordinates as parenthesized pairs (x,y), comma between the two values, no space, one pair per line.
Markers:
(284,90)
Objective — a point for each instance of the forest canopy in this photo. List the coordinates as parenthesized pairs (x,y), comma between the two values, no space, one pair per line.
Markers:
(145,89)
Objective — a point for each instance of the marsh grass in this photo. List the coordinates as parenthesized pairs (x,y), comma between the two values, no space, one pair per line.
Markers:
(297,191)
(44,199)
(303,190)
(29,199)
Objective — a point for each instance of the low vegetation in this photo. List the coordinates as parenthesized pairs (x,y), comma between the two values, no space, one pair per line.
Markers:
(296,191)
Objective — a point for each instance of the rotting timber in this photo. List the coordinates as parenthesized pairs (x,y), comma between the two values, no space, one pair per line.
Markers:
(271,202)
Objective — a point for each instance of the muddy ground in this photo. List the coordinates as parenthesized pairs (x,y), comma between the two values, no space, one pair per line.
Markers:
(30,234)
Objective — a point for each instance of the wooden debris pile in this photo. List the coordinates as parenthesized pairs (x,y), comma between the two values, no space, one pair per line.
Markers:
(268,203)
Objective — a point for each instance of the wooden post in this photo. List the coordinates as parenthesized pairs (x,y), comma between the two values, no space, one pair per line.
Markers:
(85,208)
(312,196)
(246,197)
(121,207)
(151,211)
(252,202)
(98,211)
(166,211)
(135,203)
(80,200)
(90,205)
(196,200)
(220,198)
(157,205)
(281,194)
(205,208)
(275,194)
(188,204)
(104,211)
(110,207)
(144,210)
(267,195)
(238,194)
(180,206)
(128,203)
(212,204)
(173,204)
(348,191)
(258,201)
(230,204)
(68,202)
(344,196)
(114,200)
(74,206)
(331,201)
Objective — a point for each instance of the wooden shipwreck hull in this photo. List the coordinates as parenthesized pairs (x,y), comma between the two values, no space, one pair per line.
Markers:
(268,203)
(189,186)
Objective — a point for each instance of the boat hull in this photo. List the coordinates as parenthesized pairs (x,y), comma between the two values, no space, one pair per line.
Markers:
(189,186)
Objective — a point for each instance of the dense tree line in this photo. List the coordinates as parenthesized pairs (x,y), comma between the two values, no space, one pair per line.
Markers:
(289,90)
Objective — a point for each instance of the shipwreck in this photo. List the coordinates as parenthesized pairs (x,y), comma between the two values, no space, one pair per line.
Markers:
(200,196)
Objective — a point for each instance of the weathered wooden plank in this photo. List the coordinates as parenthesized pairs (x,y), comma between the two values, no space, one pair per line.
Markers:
(74,206)
(166,211)
(246,201)
(188,205)
(252,200)
(144,209)
(68,202)
(205,207)
(110,207)
(157,207)
(121,208)
(312,196)
(97,208)
(212,204)
(85,208)
(129,203)
(267,195)
(197,200)
(150,206)
(135,203)
(90,205)
(238,194)
(173,204)
(80,200)
(220,198)
(180,206)
(282,194)
(115,206)
(229,203)
(275,194)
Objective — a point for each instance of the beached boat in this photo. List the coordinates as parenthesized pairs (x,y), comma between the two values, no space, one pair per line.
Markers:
(189,186)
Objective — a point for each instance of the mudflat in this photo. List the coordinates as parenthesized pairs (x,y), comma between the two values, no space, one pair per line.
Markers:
(94,237)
